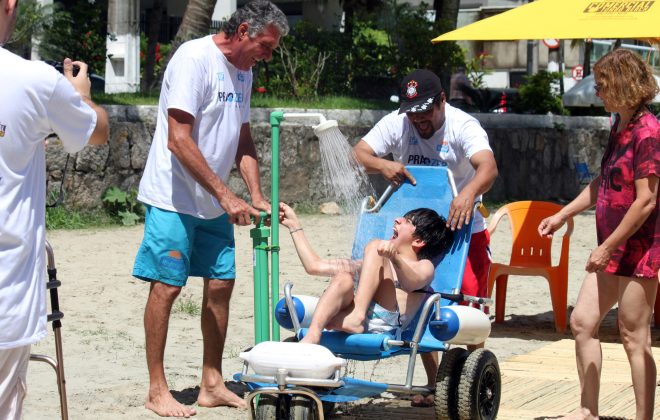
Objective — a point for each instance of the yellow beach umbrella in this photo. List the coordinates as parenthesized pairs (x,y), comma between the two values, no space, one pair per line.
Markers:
(567,19)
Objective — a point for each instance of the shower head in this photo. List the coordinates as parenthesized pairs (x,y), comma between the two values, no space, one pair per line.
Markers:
(324,126)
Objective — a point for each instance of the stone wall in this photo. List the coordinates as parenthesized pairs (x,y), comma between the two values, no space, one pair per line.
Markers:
(535,155)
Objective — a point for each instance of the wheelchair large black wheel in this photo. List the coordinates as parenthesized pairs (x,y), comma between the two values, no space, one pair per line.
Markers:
(302,408)
(446,383)
(480,387)
(271,407)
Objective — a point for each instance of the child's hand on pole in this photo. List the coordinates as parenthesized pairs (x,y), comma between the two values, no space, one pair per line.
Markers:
(288,217)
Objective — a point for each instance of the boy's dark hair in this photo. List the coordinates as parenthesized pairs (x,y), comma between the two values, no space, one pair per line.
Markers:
(431,228)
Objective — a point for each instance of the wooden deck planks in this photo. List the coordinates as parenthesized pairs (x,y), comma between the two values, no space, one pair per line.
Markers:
(544,383)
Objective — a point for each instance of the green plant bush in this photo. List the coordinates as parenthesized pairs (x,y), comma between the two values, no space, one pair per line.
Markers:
(162,51)
(309,63)
(538,96)
(383,48)
(410,32)
(78,29)
(63,218)
(123,206)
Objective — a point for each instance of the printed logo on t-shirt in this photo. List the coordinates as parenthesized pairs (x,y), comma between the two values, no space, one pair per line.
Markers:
(3,128)
(230,97)
(221,76)
(442,148)
(413,140)
(424,161)
(240,76)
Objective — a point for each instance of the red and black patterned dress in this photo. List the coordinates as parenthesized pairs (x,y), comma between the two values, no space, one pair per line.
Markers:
(632,154)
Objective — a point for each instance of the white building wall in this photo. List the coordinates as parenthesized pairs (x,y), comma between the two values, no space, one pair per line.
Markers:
(122,68)
(223,9)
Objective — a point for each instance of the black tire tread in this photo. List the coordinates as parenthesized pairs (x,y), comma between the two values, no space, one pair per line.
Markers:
(302,408)
(446,386)
(267,407)
(470,382)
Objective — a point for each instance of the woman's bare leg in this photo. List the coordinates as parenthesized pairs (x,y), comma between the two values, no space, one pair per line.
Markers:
(636,300)
(597,295)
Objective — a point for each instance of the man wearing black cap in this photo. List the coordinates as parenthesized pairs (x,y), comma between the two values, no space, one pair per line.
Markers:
(427,131)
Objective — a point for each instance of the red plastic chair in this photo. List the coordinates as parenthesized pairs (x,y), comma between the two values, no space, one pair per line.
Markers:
(531,256)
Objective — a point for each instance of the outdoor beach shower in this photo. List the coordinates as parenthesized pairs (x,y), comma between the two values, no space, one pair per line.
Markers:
(343,176)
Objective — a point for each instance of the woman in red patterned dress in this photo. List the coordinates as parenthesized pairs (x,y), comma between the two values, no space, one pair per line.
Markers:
(624,267)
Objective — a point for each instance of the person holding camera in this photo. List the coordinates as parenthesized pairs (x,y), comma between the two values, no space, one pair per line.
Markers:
(36,100)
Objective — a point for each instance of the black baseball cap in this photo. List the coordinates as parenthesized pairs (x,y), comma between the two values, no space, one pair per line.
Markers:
(418,90)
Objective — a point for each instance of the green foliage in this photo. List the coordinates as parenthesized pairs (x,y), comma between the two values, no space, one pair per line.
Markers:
(321,102)
(125,98)
(475,70)
(31,19)
(188,306)
(62,218)
(411,32)
(123,206)
(310,62)
(537,95)
(78,30)
(383,47)
(162,51)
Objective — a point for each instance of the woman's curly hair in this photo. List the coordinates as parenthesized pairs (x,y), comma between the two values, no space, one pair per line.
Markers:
(624,79)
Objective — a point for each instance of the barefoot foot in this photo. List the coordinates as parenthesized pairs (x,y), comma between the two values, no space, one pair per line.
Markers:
(420,400)
(165,405)
(219,395)
(311,338)
(353,323)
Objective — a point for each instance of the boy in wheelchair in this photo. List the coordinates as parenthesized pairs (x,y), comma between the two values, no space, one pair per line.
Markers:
(382,292)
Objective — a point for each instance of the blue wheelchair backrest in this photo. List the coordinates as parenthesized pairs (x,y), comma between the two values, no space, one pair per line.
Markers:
(434,190)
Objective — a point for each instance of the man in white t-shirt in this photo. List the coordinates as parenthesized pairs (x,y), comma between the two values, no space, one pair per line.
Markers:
(427,131)
(202,130)
(35,101)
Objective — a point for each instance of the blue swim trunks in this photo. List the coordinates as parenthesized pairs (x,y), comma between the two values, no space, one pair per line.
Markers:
(176,246)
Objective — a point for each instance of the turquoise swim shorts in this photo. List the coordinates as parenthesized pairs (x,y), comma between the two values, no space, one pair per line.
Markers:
(176,246)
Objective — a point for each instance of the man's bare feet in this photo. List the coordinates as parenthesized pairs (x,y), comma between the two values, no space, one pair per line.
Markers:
(165,405)
(219,395)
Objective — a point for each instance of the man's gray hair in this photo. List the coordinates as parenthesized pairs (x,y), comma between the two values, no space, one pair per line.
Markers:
(258,15)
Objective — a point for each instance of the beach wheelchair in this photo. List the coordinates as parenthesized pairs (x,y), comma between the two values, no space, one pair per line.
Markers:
(468,385)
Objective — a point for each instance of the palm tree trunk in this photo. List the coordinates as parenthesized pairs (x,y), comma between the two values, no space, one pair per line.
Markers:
(447,10)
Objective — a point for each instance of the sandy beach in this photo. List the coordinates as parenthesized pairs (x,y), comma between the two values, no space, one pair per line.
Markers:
(103,336)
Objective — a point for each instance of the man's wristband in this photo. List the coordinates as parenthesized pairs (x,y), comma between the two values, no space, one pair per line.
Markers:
(295,230)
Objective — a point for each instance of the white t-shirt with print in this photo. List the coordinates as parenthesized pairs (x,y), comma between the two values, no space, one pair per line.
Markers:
(201,82)
(36,101)
(460,137)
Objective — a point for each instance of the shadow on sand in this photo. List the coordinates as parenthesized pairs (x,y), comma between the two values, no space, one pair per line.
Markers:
(189,396)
